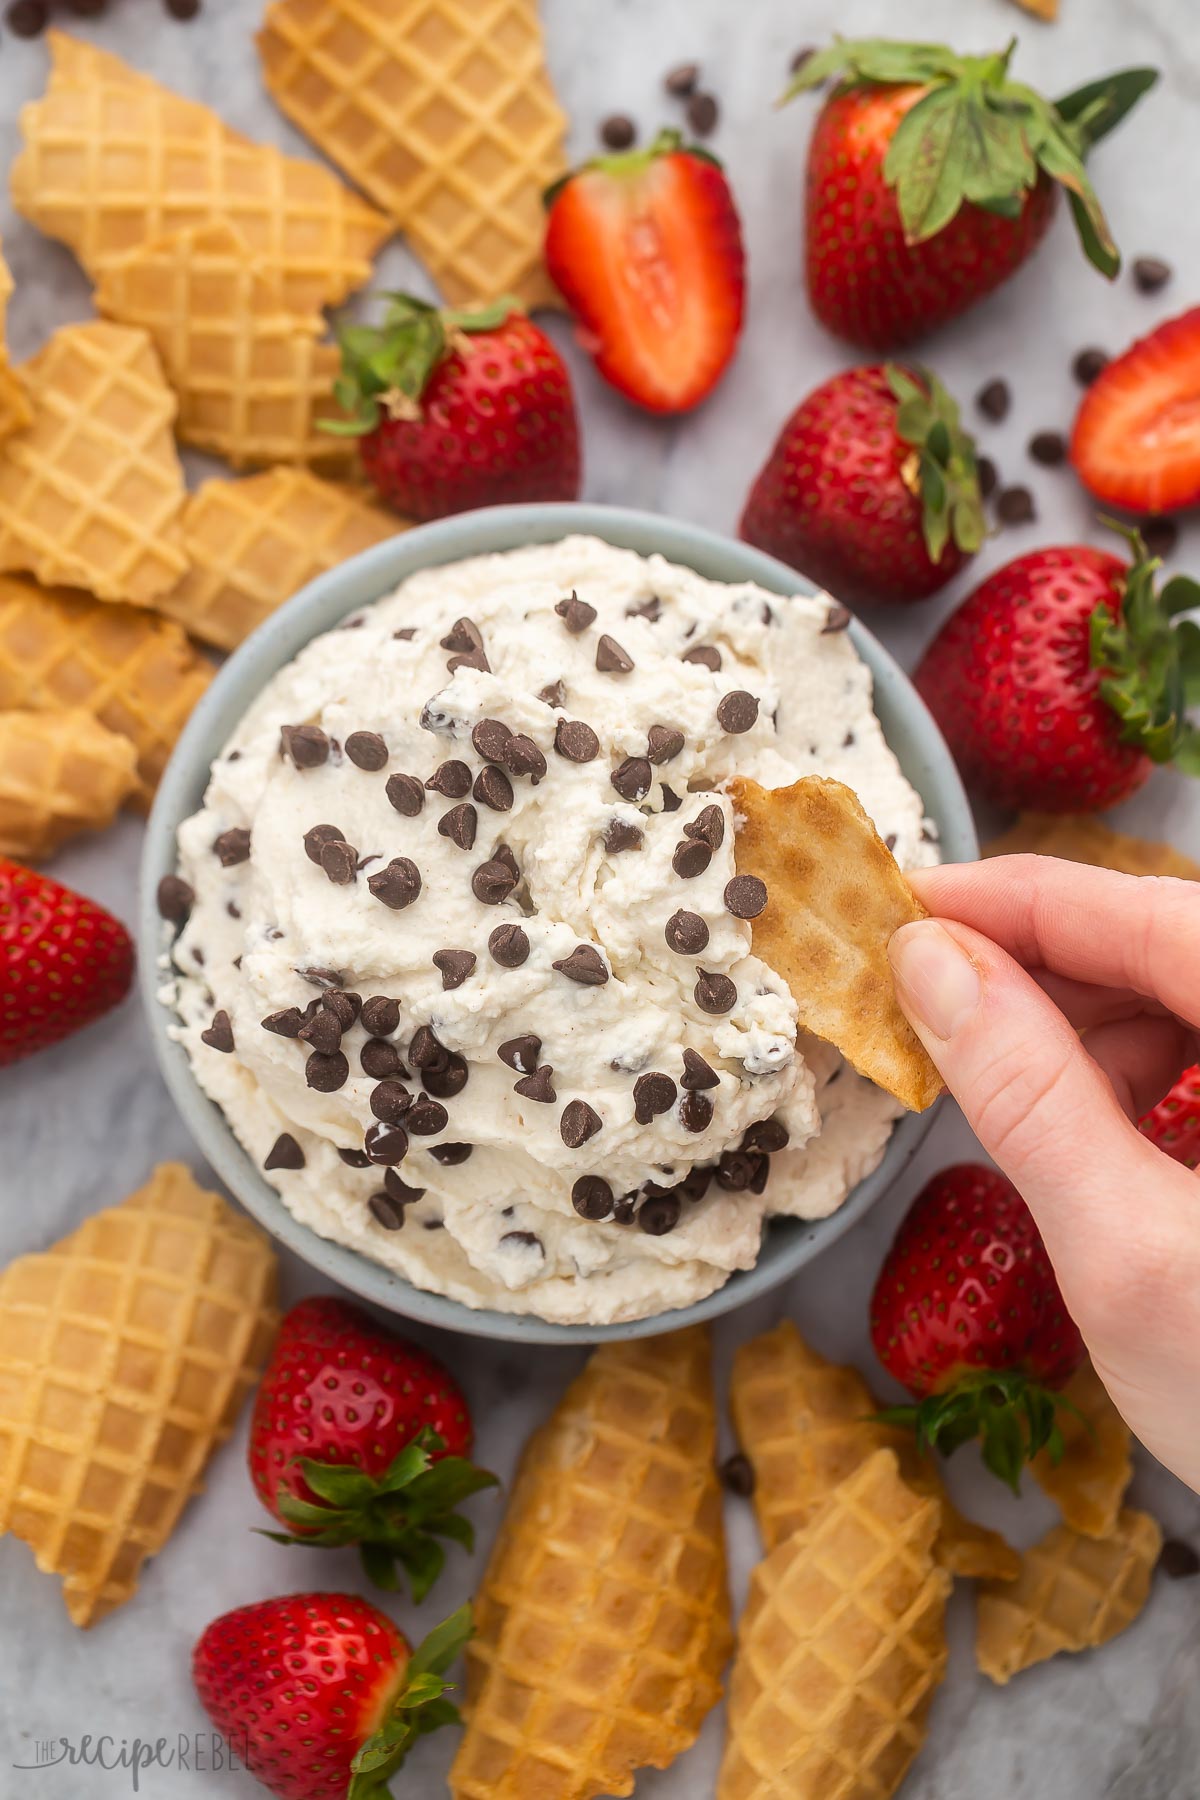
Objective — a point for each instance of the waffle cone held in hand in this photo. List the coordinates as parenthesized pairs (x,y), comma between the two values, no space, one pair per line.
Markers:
(603,1617)
(126,1350)
(840,1649)
(60,774)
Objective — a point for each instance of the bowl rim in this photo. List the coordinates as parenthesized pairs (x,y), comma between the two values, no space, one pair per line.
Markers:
(316,608)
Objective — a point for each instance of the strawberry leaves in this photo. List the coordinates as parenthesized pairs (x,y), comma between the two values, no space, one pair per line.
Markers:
(1149,662)
(942,470)
(418,1707)
(1012,1417)
(386,368)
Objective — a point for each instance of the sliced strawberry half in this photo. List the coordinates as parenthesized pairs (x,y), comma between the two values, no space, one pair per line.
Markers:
(1136,442)
(647,249)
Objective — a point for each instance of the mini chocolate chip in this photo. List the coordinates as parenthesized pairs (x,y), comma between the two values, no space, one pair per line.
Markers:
(611,659)
(450,1155)
(504,855)
(355,1159)
(1088,364)
(538,1086)
(737,711)
(232,847)
(623,1210)
(390,1100)
(1160,534)
(326,1073)
(695,1111)
(27,18)
(663,743)
(406,634)
(737,1474)
(659,1215)
(426,1051)
(738,1170)
(1014,506)
(691,857)
(526,1240)
(219,1035)
(286,1023)
(695,1183)
(708,827)
(398,885)
(620,836)
(448,1080)
(686,933)
(344,1006)
(768,1135)
(994,400)
(459,825)
(175,899)
(490,738)
(464,636)
(386,1212)
(653,1093)
(380,1015)
(455,966)
(670,799)
(400,1191)
(553,694)
(745,896)
(650,609)
(406,794)
(386,1144)
(521,1053)
(509,946)
(1048,448)
(379,1059)
(579,1122)
(306,745)
(584,965)
(715,993)
(523,757)
(316,838)
(493,882)
(890,841)
(836,619)
(450,779)
(681,80)
(632,778)
(702,113)
(339,860)
(493,788)
(989,476)
(1150,274)
(592,1197)
(1178,1560)
(285,1153)
(706,654)
(367,750)
(235,912)
(617,132)
(322,1031)
(576,741)
(426,1118)
(575,613)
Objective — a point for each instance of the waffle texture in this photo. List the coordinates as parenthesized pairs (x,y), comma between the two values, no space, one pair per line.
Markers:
(603,1617)
(254,543)
(134,672)
(15,409)
(125,1353)
(840,1649)
(805,1424)
(111,160)
(1089,1481)
(443,112)
(1073,1593)
(1089,840)
(60,774)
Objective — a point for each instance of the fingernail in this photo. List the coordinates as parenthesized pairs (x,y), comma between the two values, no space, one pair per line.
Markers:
(937,984)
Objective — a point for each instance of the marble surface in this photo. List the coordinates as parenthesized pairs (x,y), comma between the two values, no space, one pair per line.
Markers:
(81,1126)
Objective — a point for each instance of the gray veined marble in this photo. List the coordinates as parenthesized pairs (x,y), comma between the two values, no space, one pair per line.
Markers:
(80,1127)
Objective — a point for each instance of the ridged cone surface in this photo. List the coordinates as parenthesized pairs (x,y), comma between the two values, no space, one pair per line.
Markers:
(1089,1482)
(60,774)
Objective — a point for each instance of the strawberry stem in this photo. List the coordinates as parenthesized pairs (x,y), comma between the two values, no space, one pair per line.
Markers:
(1012,1417)
(386,368)
(947,478)
(1149,659)
(418,1707)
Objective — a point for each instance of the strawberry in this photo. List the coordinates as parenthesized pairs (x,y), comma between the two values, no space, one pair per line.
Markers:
(320,1695)
(360,1437)
(871,488)
(458,409)
(1136,441)
(933,176)
(647,249)
(64,962)
(1174,1124)
(1062,679)
(968,1316)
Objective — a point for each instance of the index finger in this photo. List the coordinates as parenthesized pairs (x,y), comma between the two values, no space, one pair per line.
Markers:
(1092,925)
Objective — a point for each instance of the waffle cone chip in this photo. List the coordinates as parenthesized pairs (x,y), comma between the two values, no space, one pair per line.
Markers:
(1073,1593)
(835,896)
(254,543)
(15,410)
(805,1424)
(1041,9)
(603,1616)
(126,1350)
(134,672)
(1089,840)
(111,160)
(1089,1481)
(60,774)
(840,1649)
(443,112)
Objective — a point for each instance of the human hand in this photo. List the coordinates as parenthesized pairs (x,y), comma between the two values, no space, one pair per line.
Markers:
(1022,955)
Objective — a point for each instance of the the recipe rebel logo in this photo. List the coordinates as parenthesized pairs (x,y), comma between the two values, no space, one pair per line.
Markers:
(201,1752)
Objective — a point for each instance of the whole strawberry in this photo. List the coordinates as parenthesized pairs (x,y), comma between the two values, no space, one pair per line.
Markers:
(1174,1124)
(1062,679)
(932,177)
(647,249)
(360,1437)
(872,488)
(968,1316)
(319,1694)
(64,962)
(458,409)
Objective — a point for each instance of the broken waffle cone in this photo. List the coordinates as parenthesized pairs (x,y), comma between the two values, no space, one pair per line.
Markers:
(1089,1481)
(126,1350)
(254,543)
(1041,9)
(834,897)
(91,489)
(111,160)
(840,1649)
(135,673)
(1089,840)
(15,410)
(805,1424)
(443,113)
(1073,1593)
(602,1622)
(60,774)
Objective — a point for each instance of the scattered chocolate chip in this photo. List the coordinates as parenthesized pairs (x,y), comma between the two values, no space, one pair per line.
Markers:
(702,113)
(386,1212)
(232,846)
(663,743)
(1014,506)
(380,1015)
(339,860)
(316,839)
(739,1170)
(286,1023)
(538,1086)
(490,738)
(1178,1560)
(175,898)
(994,400)
(670,799)
(306,745)
(326,1073)
(691,857)
(553,694)
(27,18)
(459,825)
(450,1155)
(321,978)
(426,1051)
(575,613)
(219,1035)
(989,476)
(1160,534)
(400,1191)
(592,1197)
(621,836)
(521,1053)
(493,882)
(344,1006)
(455,966)
(611,659)
(576,741)
(406,794)
(390,1100)
(715,993)
(1048,448)
(745,896)
(681,80)
(1088,364)
(508,945)
(653,1093)
(463,636)
(801,58)
(697,1073)
(386,1144)
(379,1059)
(617,132)
(632,778)
(579,1122)
(355,1159)
(686,933)
(322,1031)
(523,757)
(450,779)
(737,1474)
(707,655)
(695,1111)
(695,1184)
(836,619)
(493,788)
(285,1153)
(235,912)
(768,1135)
(584,965)
(398,885)
(1150,274)
(448,1079)
(737,712)
(367,750)
(426,1118)
(708,827)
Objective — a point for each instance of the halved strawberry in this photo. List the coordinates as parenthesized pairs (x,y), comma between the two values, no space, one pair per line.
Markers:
(1136,441)
(647,249)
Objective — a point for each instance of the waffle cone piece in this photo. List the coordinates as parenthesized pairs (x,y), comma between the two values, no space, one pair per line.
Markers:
(840,1649)
(1073,1593)
(806,1424)
(111,159)
(442,111)
(1089,1481)
(603,1617)
(134,672)
(254,543)
(91,489)
(125,1353)
(60,774)
(1087,840)
(15,410)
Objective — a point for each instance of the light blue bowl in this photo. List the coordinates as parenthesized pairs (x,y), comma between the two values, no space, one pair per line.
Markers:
(787,1243)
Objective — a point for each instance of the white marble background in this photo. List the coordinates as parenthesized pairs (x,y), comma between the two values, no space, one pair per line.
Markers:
(81,1126)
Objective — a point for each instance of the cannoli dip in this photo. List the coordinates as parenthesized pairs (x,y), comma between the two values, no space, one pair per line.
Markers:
(463,955)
